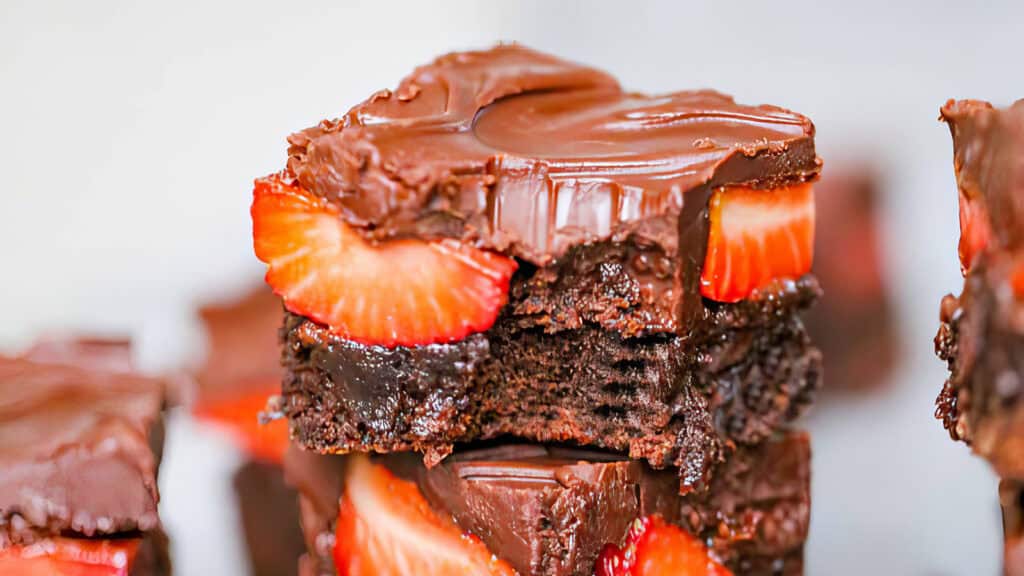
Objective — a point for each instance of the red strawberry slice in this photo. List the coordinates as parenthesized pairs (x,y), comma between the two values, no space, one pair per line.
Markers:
(655,548)
(398,293)
(974,230)
(240,416)
(755,238)
(69,557)
(386,528)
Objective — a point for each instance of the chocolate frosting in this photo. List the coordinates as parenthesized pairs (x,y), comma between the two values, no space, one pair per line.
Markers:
(77,450)
(529,154)
(988,148)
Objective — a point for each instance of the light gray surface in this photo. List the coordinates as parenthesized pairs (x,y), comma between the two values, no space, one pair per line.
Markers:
(132,134)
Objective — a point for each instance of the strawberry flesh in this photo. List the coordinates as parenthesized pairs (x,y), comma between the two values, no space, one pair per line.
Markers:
(240,415)
(387,528)
(653,547)
(403,292)
(757,237)
(69,557)
(974,230)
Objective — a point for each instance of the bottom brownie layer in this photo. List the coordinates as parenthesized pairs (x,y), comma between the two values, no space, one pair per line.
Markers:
(270,519)
(558,507)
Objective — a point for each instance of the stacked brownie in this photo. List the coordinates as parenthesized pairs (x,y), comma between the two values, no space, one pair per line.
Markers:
(240,371)
(562,320)
(981,336)
(80,443)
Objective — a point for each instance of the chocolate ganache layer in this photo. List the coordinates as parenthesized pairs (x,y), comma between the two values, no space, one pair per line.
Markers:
(528,154)
(982,331)
(549,510)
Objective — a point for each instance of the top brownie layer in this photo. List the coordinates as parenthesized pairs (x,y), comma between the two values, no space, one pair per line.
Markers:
(79,450)
(530,155)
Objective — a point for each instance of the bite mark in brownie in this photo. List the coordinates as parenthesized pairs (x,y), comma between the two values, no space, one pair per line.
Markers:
(674,402)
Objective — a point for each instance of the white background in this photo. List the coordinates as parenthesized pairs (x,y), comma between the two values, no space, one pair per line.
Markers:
(130,134)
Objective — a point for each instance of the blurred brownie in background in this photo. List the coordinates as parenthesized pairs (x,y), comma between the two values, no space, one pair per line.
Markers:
(81,438)
(854,324)
(241,370)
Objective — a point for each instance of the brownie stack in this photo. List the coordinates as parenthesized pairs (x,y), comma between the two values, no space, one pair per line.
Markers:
(80,444)
(562,318)
(981,336)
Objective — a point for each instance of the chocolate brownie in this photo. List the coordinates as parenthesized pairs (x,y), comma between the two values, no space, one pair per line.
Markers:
(550,511)
(652,397)
(81,438)
(982,331)
(107,485)
(602,198)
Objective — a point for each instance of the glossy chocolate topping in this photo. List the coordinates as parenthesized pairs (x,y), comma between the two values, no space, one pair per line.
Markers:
(988,148)
(77,450)
(529,154)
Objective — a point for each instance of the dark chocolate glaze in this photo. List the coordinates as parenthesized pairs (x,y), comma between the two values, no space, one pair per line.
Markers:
(550,510)
(981,335)
(528,154)
(79,450)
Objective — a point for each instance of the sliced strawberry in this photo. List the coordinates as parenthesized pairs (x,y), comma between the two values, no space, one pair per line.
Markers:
(756,237)
(401,292)
(655,548)
(974,230)
(240,416)
(386,528)
(70,557)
